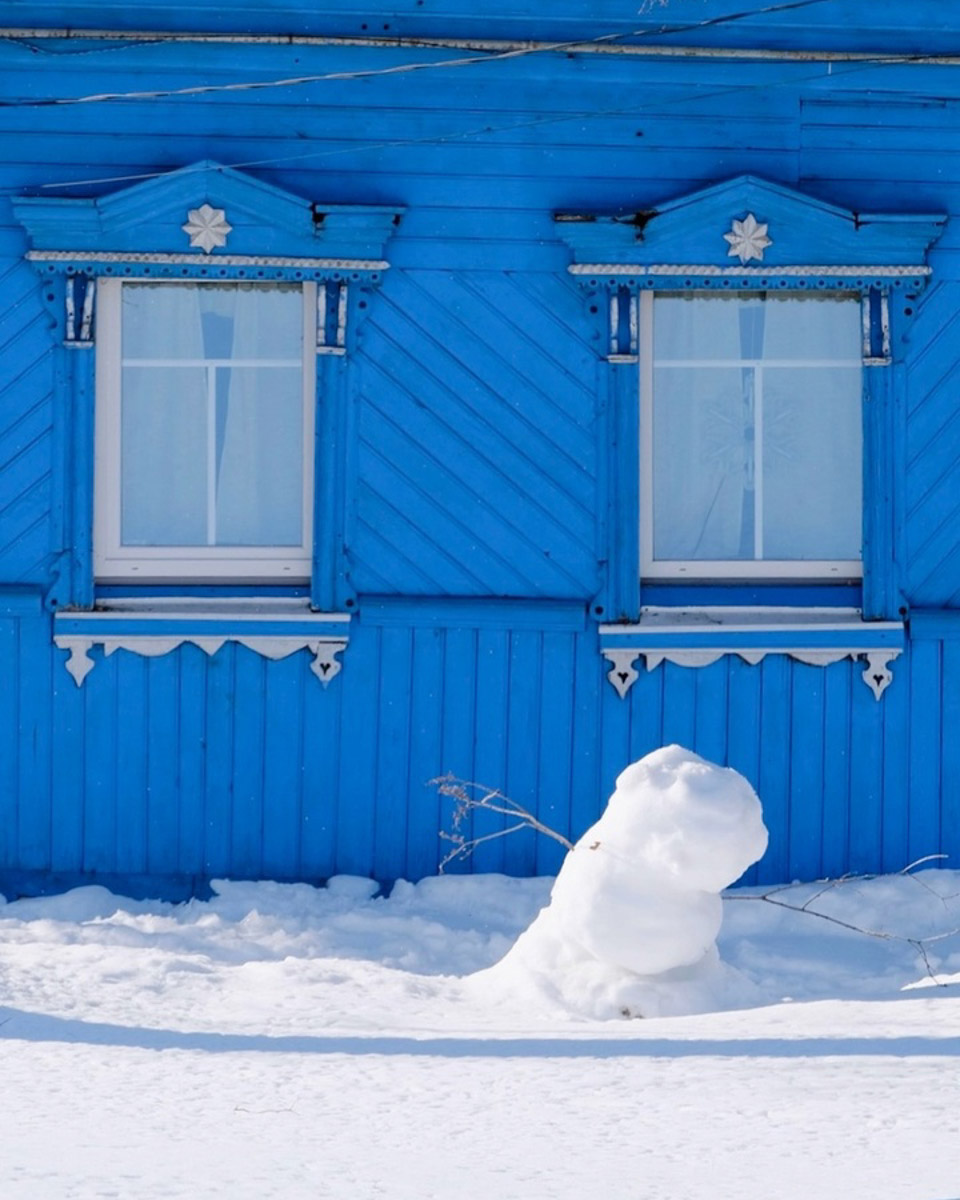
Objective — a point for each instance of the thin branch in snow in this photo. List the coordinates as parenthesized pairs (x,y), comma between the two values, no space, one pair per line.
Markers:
(920,945)
(468,796)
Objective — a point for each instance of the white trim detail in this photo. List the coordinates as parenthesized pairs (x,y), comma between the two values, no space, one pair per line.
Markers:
(877,674)
(207,227)
(622,674)
(325,663)
(747,239)
(845,272)
(114,561)
(223,260)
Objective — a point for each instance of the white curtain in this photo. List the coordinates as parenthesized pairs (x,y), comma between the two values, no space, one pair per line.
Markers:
(259,485)
(163,417)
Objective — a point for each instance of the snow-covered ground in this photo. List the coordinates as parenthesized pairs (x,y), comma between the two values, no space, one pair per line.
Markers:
(281,1041)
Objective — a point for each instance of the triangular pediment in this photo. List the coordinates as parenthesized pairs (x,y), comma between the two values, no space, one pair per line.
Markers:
(148,217)
(750,221)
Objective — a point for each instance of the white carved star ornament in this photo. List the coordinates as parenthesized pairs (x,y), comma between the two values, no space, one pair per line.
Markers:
(207,227)
(748,239)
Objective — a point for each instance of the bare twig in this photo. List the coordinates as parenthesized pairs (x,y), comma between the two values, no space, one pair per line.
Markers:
(469,796)
(920,945)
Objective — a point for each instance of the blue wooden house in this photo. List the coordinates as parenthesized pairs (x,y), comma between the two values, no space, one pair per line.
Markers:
(393,391)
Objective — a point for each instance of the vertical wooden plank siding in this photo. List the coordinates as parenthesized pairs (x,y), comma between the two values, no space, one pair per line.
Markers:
(33,782)
(99,770)
(218,808)
(523,740)
(358,779)
(9,744)
(490,756)
(459,724)
(924,783)
(898,724)
(743,726)
(428,706)
(806,771)
(131,717)
(68,805)
(837,755)
(544,725)
(191,756)
(775,759)
(866,780)
(318,834)
(555,750)
(950,755)
(163,776)
(283,758)
(248,762)
(392,753)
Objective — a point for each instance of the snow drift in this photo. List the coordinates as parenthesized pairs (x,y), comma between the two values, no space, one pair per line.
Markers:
(634,913)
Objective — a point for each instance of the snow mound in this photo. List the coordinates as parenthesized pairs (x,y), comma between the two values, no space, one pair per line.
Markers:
(635,910)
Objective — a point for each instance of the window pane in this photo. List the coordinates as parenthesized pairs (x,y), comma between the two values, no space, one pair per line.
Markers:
(812,327)
(812,463)
(756,414)
(702,465)
(259,491)
(212,453)
(163,456)
(692,327)
(212,320)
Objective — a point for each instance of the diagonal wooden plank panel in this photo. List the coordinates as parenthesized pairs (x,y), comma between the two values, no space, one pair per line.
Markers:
(933,449)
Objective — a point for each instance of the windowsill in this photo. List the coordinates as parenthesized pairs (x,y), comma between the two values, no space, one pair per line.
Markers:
(699,636)
(155,625)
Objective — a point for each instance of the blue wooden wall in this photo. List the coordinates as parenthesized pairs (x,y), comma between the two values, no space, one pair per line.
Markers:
(474,512)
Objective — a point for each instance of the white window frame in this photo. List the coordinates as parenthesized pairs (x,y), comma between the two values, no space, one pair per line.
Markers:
(704,570)
(116,563)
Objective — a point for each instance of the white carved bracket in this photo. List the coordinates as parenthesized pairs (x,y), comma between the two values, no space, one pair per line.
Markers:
(622,674)
(877,674)
(326,665)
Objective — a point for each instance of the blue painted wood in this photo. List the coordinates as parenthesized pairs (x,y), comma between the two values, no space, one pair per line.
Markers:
(218,797)
(490,754)
(895,815)
(775,760)
(477,482)
(67,775)
(357,759)
(950,756)
(390,813)
(927,735)
(9,748)
(429,676)
(316,853)
(834,24)
(837,761)
(163,776)
(806,771)
(248,761)
(101,784)
(192,707)
(743,727)
(526,699)
(555,748)
(131,693)
(866,781)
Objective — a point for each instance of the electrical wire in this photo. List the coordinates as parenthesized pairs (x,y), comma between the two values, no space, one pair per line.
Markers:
(406,68)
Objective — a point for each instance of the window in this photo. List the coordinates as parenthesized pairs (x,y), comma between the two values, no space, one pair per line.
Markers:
(204,431)
(751,435)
